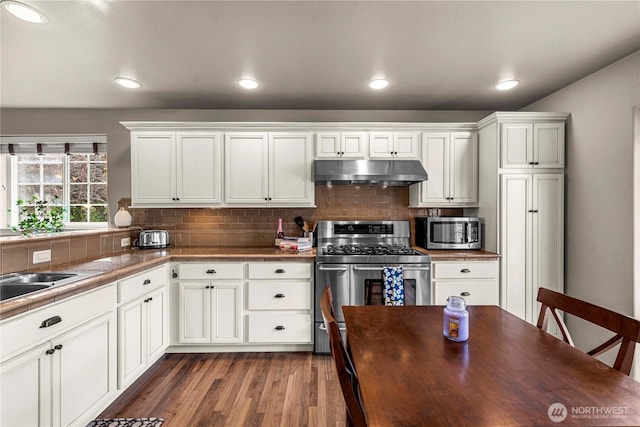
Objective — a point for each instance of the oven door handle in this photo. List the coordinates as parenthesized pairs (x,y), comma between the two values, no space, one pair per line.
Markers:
(416,268)
(323,268)
(324,328)
(367,268)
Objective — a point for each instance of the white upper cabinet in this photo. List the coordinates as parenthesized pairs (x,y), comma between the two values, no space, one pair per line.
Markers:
(271,169)
(532,145)
(345,145)
(451,161)
(400,145)
(176,168)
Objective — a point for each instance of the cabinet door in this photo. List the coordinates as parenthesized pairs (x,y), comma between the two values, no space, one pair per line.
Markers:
(435,158)
(195,312)
(381,145)
(246,168)
(290,166)
(548,146)
(157,330)
(515,249)
(85,359)
(25,388)
(354,144)
(548,236)
(463,181)
(199,168)
(406,145)
(153,168)
(131,341)
(328,145)
(227,312)
(516,145)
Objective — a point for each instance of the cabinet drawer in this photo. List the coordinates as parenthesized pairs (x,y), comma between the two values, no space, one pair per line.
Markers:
(271,295)
(141,283)
(24,330)
(211,270)
(465,270)
(280,270)
(474,293)
(279,327)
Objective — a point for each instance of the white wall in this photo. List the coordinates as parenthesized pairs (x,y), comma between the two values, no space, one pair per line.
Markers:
(599,187)
(68,121)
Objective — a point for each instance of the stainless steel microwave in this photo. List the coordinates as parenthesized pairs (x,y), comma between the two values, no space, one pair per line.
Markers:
(448,232)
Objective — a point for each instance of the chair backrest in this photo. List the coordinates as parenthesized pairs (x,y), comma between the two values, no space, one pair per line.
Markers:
(626,329)
(344,367)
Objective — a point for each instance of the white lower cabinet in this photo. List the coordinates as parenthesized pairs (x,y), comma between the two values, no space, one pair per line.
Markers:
(68,378)
(475,281)
(143,323)
(279,302)
(210,303)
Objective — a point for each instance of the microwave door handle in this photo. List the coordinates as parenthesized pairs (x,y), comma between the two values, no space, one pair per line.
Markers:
(468,232)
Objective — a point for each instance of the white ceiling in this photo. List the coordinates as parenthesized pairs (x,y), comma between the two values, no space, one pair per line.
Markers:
(439,55)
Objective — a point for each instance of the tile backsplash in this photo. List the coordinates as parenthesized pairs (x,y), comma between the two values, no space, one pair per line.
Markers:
(257,226)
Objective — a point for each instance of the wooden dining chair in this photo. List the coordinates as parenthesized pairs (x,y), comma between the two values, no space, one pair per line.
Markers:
(626,329)
(344,367)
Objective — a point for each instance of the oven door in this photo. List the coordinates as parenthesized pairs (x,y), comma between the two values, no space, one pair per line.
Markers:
(367,285)
(336,276)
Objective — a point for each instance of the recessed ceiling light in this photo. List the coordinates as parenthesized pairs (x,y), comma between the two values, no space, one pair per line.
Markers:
(127,82)
(249,83)
(378,84)
(507,84)
(24,12)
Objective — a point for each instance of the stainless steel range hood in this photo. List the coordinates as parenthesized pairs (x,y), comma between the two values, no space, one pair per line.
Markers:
(369,172)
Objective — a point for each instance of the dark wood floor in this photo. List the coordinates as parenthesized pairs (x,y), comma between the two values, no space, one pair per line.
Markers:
(236,389)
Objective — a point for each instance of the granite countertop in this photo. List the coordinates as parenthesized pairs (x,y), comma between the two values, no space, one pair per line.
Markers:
(109,269)
(459,255)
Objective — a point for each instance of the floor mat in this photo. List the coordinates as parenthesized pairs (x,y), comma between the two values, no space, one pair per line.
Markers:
(126,422)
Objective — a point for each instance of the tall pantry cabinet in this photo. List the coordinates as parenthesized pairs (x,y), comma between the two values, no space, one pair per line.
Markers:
(521,198)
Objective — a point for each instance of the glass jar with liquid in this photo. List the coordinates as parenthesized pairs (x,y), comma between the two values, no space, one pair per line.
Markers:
(455,324)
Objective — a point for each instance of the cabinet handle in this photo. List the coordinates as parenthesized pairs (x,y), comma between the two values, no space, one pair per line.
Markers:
(279,328)
(465,294)
(174,274)
(211,271)
(146,282)
(50,321)
(279,295)
(531,163)
(146,300)
(465,270)
(536,163)
(150,299)
(280,271)
(58,347)
(50,351)
(533,211)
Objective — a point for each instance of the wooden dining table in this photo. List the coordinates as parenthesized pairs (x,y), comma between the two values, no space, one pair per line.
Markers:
(509,373)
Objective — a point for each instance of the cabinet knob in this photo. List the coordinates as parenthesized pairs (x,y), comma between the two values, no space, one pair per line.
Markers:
(174,274)
(212,271)
(465,270)
(50,351)
(279,328)
(279,295)
(280,271)
(146,282)
(58,347)
(536,163)
(531,163)
(465,294)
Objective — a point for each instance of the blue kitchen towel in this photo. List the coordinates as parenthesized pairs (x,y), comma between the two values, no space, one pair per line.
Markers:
(393,286)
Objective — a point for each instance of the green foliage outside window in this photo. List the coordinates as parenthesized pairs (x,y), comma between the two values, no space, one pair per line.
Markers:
(39,216)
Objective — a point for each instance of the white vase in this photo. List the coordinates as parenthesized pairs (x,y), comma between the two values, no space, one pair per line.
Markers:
(122,218)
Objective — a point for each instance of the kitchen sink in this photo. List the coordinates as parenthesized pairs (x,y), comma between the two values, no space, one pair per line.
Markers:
(18,284)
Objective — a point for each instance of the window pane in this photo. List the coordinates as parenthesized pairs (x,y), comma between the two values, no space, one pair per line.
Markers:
(98,172)
(78,172)
(78,193)
(77,214)
(98,193)
(100,157)
(26,192)
(29,158)
(98,214)
(52,158)
(52,173)
(53,190)
(29,173)
(78,157)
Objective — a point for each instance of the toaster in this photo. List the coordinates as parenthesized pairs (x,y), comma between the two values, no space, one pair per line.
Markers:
(152,239)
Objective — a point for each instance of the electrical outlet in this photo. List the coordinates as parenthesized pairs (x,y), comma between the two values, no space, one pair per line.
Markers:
(125,241)
(41,256)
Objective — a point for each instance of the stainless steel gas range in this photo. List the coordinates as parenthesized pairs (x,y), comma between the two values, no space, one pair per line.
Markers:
(351,257)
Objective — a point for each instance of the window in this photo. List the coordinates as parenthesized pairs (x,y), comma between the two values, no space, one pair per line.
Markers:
(78,180)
